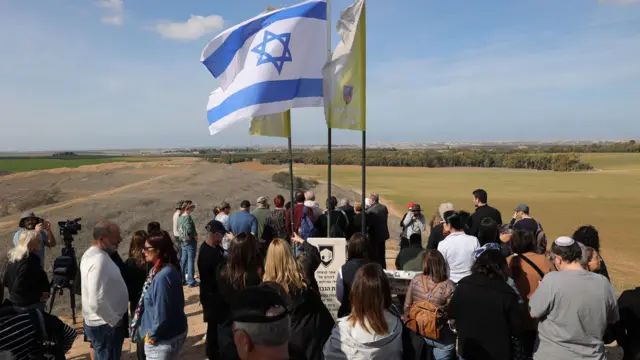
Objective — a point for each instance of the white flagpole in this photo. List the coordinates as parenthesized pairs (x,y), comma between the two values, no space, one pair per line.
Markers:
(328,122)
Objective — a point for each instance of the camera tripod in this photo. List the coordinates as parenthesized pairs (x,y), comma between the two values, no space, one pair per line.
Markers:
(65,271)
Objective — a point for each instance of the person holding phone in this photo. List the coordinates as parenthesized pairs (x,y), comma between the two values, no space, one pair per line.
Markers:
(29,221)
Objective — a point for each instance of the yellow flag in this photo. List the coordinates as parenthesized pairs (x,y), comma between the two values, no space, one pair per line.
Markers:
(345,75)
(278,125)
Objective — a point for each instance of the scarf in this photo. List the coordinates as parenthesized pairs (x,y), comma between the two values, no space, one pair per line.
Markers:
(135,322)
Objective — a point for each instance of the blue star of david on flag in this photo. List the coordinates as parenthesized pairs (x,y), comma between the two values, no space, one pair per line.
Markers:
(265,57)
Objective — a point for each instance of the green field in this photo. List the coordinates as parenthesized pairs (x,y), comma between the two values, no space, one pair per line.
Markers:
(608,199)
(31,164)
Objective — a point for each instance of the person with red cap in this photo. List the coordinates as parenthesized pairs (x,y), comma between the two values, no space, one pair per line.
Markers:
(413,222)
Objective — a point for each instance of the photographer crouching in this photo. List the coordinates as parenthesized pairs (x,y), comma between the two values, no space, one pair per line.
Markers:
(29,221)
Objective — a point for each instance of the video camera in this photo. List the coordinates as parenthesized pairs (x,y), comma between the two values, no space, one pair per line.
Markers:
(70,227)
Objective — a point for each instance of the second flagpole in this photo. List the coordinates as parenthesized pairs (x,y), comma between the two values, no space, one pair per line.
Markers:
(328,121)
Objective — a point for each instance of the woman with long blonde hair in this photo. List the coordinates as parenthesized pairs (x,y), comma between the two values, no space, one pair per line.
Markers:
(281,267)
(311,322)
(24,277)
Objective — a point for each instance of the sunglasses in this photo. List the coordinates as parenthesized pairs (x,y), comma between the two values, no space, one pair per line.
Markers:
(147,248)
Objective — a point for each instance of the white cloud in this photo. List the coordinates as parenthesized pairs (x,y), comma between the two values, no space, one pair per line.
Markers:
(115,9)
(194,28)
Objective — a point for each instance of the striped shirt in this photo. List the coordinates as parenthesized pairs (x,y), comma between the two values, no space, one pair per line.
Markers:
(18,334)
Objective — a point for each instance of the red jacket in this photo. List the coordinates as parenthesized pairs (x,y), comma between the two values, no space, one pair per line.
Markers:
(297,211)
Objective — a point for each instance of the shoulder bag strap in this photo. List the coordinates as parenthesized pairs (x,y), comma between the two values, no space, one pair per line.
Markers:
(426,287)
(534,266)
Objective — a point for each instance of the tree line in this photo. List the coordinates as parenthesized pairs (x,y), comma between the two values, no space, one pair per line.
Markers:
(421,158)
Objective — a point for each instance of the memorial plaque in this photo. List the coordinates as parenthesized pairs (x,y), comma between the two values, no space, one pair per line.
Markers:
(333,254)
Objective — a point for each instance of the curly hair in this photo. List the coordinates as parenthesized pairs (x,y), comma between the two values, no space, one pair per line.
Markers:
(491,264)
(588,236)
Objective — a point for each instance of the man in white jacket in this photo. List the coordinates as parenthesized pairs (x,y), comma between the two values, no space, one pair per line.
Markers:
(104,293)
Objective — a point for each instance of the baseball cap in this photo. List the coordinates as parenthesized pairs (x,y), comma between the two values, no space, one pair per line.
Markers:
(255,302)
(215,226)
(262,200)
(411,205)
(523,207)
(416,208)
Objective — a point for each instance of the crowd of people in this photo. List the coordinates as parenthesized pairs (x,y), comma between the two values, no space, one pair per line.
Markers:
(482,289)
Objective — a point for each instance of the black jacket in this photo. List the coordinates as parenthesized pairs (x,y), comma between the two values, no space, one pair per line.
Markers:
(487,313)
(377,216)
(135,279)
(482,212)
(339,224)
(26,281)
(435,236)
(356,224)
(228,296)
(349,270)
(311,322)
(627,330)
(209,259)
(310,263)
(408,253)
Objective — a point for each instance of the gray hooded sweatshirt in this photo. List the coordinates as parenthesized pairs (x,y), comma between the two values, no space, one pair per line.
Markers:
(354,343)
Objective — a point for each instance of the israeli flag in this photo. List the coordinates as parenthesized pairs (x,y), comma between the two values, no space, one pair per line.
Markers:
(268,64)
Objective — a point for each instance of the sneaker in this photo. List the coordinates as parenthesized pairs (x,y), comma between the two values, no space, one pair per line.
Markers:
(195,284)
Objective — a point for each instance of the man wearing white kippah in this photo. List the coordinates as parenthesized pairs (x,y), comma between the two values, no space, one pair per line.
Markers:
(573,307)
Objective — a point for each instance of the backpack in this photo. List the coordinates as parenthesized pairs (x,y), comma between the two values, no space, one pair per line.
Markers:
(541,240)
(336,231)
(306,229)
(424,317)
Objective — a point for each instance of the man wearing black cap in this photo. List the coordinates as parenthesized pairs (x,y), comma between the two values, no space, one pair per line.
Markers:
(29,221)
(529,224)
(210,257)
(261,326)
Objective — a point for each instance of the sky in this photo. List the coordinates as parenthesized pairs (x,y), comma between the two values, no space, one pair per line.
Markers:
(105,74)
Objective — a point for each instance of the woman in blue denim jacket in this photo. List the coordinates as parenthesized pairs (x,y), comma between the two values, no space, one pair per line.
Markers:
(159,318)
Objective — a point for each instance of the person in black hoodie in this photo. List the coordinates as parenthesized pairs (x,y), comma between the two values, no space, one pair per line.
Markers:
(24,276)
(210,257)
(311,322)
(242,269)
(483,210)
(137,269)
(487,311)
(357,257)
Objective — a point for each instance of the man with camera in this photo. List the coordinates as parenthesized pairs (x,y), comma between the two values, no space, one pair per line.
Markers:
(29,221)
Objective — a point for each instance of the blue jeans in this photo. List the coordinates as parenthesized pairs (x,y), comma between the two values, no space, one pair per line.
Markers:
(445,347)
(165,350)
(187,261)
(106,341)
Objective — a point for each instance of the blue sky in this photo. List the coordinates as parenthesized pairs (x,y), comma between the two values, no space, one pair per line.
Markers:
(126,73)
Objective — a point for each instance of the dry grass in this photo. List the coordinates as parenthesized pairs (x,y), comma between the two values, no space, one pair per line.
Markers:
(609,200)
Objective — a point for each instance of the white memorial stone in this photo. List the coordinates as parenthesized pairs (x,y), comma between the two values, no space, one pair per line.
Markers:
(333,254)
